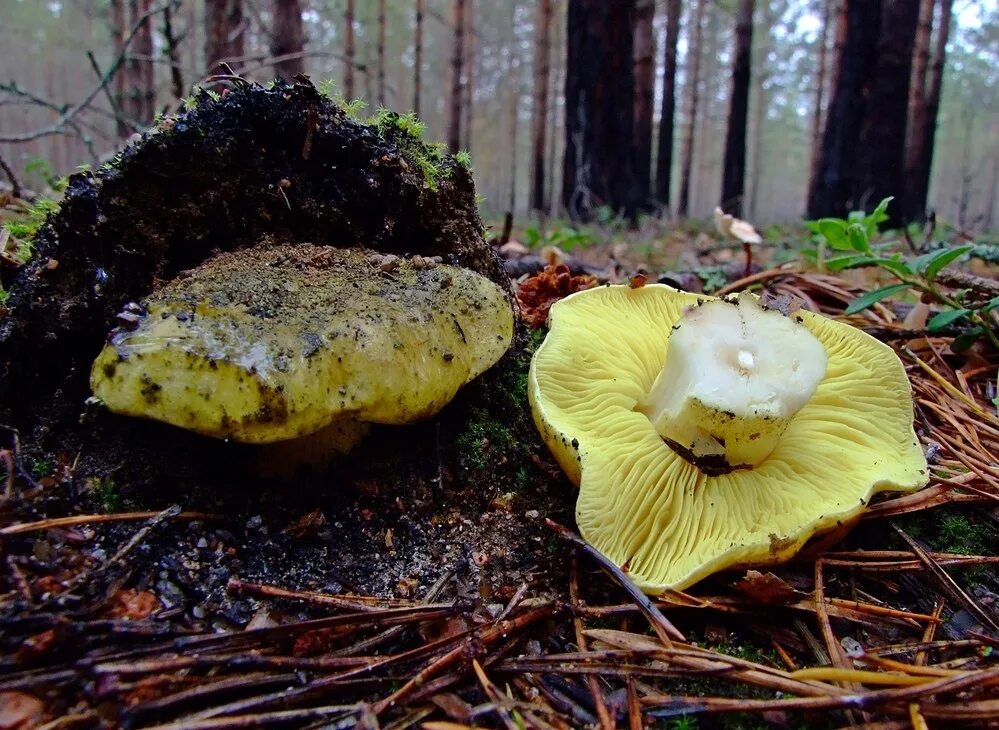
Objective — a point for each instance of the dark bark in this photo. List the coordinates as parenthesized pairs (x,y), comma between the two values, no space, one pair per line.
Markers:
(119,28)
(142,69)
(468,82)
(664,152)
(834,185)
(921,140)
(287,42)
(172,52)
(224,32)
(381,53)
(348,51)
(418,57)
(695,34)
(457,62)
(539,108)
(734,167)
(599,97)
(820,88)
(882,136)
(645,80)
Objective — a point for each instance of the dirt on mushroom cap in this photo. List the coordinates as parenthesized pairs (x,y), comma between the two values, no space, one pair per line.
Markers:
(276,342)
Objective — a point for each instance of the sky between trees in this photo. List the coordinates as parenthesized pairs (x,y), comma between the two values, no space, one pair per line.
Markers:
(45,61)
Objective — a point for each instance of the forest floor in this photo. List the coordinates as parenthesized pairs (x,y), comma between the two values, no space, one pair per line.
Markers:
(424,582)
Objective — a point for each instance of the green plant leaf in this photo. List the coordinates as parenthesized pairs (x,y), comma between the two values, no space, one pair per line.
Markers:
(991,304)
(932,264)
(834,231)
(965,340)
(940,321)
(873,297)
(850,261)
(858,238)
(878,215)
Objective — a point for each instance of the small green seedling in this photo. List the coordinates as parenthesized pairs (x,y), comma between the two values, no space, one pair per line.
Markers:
(852,236)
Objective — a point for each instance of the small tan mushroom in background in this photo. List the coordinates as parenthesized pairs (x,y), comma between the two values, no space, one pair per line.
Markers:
(275,343)
(709,433)
(734,229)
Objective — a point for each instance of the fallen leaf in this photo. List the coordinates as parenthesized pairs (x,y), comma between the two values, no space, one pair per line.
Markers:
(767,588)
(19,711)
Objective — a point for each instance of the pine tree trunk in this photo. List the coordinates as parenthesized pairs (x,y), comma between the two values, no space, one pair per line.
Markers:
(645,81)
(839,41)
(468,85)
(223,32)
(921,140)
(836,180)
(882,137)
(761,101)
(553,200)
(695,34)
(418,57)
(664,151)
(820,88)
(286,39)
(143,68)
(599,98)
(381,53)
(348,51)
(457,61)
(119,28)
(734,166)
(172,53)
(539,107)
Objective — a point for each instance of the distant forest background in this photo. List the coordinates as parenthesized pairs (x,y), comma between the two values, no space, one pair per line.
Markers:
(823,96)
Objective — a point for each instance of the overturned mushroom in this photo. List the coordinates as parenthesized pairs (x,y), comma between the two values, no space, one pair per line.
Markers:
(708,433)
(278,342)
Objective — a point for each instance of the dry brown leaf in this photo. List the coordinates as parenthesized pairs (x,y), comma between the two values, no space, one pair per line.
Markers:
(19,711)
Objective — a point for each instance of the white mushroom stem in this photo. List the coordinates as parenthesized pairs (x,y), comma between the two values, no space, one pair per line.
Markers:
(735,375)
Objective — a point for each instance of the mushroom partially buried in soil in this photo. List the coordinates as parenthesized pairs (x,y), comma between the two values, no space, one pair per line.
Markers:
(278,342)
(706,433)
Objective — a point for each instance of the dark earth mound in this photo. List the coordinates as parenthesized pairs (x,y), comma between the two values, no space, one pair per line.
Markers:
(282,163)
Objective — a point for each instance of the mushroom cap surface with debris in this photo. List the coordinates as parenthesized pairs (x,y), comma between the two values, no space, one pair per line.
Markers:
(276,342)
(647,508)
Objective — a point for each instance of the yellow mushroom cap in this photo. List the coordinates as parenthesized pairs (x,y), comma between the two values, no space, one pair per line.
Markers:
(272,343)
(648,509)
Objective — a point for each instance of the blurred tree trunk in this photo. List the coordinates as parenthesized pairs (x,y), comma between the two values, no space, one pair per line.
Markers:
(645,85)
(119,28)
(839,41)
(734,166)
(287,41)
(457,61)
(557,110)
(381,53)
(760,104)
(664,151)
(539,108)
(135,81)
(695,33)
(882,137)
(223,32)
(418,57)
(820,88)
(142,69)
(599,98)
(171,51)
(835,183)
(468,85)
(919,159)
(348,51)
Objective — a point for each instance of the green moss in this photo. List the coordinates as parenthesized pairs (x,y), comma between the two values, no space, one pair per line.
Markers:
(406,131)
(483,440)
(22,229)
(463,158)
(42,466)
(107,492)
